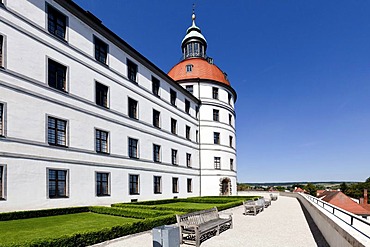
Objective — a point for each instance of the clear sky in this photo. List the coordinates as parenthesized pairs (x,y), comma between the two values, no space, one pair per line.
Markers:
(301,70)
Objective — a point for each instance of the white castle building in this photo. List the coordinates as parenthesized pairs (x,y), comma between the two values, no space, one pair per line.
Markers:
(85,119)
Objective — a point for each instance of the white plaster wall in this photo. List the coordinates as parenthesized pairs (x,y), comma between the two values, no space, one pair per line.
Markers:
(27,185)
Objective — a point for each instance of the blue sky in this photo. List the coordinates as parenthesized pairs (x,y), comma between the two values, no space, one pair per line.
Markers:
(301,70)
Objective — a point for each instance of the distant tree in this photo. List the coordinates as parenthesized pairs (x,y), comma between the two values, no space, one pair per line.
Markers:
(320,187)
(311,189)
(280,188)
(367,180)
(297,186)
(243,187)
(343,187)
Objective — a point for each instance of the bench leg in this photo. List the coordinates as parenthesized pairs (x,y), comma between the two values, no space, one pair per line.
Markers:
(218,230)
(197,238)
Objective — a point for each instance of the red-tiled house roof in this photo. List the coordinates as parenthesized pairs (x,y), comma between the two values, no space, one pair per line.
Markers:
(339,199)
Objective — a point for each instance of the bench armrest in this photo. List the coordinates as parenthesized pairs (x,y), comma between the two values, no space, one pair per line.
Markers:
(225,214)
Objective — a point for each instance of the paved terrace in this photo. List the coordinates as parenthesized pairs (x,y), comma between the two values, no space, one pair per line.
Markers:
(282,224)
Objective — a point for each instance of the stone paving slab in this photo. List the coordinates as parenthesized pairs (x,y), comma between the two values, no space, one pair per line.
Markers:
(283,224)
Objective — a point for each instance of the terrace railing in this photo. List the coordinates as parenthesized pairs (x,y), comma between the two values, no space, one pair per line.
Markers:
(358,223)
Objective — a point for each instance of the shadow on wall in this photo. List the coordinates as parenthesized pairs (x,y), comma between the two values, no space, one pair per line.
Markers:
(319,238)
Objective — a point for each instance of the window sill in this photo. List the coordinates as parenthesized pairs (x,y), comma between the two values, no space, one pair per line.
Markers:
(56,145)
(59,197)
(102,106)
(107,195)
(104,153)
(134,158)
(134,194)
(157,193)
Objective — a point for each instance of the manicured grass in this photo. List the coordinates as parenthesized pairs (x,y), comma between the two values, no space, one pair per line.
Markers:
(56,226)
(198,206)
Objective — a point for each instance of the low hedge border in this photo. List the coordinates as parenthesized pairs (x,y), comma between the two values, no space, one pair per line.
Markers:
(137,213)
(17,215)
(93,237)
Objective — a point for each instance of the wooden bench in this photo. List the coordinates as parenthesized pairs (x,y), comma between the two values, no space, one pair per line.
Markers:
(267,202)
(254,207)
(198,226)
(273,197)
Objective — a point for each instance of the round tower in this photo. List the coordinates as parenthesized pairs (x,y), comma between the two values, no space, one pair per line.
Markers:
(197,73)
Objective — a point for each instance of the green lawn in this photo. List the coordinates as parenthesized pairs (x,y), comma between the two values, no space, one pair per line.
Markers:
(198,206)
(56,226)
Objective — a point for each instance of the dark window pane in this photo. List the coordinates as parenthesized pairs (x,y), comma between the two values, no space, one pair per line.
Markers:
(57,183)
(56,22)
(57,131)
(101,141)
(57,75)
(155,86)
(101,51)
(131,71)
(101,97)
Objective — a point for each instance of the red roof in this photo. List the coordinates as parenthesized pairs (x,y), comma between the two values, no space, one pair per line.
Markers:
(340,200)
(201,68)
(299,190)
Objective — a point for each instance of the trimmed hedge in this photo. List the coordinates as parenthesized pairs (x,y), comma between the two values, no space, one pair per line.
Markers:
(93,237)
(130,212)
(41,213)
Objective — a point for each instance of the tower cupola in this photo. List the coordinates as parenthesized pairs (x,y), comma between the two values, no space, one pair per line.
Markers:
(194,44)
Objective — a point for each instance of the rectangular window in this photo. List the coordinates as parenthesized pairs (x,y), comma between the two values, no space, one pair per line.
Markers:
(173,126)
(189,67)
(187,132)
(101,50)
(134,184)
(217,161)
(155,86)
(189,88)
(57,183)
(1,51)
(216,137)
(229,98)
(197,111)
(187,106)
(175,185)
(231,164)
(174,156)
(57,22)
(57,132)
(157,184)
(102,184)
(2,182)
(197,136)
(132,148)
(215,92)
(131,71)
(156,118)
(101,94)
(190,185)
(156,153)
(132,108)
(216,114)
(230,141)
(188,160)
(101,141)
(173,97)
(230,119)
(2,132)
(57,75)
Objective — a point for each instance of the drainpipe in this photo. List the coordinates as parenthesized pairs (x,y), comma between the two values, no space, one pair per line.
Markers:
(200,161)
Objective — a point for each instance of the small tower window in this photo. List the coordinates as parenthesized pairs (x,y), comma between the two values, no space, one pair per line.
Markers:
(189,68)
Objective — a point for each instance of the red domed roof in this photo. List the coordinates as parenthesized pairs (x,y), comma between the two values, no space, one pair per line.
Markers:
(201,68)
